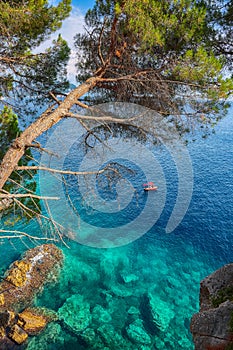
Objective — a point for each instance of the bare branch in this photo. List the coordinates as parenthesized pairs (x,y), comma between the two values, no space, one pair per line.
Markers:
(64,172)
(25,195)
(54,97)
(56,226)
(37,145)
(21,234)
(83,105)
(101,119)
(100,43)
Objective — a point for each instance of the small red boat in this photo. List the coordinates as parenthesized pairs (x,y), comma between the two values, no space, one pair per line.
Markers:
(150,186)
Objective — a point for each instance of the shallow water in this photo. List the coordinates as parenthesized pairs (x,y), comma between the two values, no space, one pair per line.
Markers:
(108,296)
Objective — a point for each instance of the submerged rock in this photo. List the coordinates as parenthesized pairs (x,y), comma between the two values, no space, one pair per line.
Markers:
(159,312)
(128,277)
(121,291)
(133,311)
(75,313)
(112,339)
(89,336)
(92,340)
(212,327)
(100,315)
(137,334)
(52,338)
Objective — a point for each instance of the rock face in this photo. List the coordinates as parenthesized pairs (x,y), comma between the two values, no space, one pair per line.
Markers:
(212,327)
(21,283)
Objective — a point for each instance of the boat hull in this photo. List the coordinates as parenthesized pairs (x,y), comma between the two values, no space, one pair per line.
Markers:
(150,189)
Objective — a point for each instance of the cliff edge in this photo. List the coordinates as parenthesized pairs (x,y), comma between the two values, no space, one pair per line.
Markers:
(212,326)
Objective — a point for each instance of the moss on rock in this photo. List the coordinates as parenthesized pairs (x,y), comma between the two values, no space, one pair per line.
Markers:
(31,322)
(223,294)
(2,299)
(17,275)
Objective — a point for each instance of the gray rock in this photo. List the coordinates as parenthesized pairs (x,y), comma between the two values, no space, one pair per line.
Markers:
(213,286)
(212,327)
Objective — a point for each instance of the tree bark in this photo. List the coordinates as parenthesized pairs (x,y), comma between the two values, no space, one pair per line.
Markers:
(42,124)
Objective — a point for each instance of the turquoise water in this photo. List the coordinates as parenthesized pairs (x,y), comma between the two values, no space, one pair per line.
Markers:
(111,298)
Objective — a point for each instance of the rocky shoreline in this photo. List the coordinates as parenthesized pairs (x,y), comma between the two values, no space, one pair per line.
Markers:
(212,326)
(21,283)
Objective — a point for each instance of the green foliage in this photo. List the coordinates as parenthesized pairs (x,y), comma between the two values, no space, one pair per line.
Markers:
(223,295)
(198,66)
(218,28)
(30,22)
(162,50)
(26,76)
(9,130)
(168,24)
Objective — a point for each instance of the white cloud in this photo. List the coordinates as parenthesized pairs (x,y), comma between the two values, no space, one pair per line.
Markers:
(71,26)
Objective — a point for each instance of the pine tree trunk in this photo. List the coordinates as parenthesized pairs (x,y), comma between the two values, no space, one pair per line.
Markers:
(42,124)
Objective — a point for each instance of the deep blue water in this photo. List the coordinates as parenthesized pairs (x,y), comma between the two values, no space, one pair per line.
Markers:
(165,268)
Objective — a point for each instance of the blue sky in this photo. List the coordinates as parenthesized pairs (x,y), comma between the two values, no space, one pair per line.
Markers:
(83,5)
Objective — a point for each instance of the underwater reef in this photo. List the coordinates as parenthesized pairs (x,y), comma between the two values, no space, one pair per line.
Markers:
(111,300)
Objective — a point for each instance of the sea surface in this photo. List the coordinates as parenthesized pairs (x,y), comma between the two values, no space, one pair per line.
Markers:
(142,295)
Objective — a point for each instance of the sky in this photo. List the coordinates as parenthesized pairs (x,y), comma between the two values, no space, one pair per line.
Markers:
(71,26)
(83,5)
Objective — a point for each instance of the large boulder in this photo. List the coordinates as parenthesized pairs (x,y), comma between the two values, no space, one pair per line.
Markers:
(34,320)
(212,327)
(27,277)
(24,279)
(158,312)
